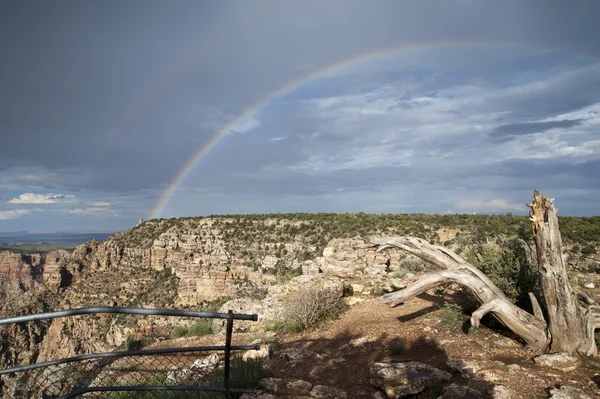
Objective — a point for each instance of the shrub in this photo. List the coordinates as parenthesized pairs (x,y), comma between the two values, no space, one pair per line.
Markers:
(589,249)
(509,267)
(348,290)
(275,346)
(312,304)
(246,373)
(396,347)
(201,327)
(400,273)
(134,344)
(450,314)
(276,326)
(180,331)
(412,264)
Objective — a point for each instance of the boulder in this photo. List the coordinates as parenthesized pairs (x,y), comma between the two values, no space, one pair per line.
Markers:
(293,355)
(402,379)
(566,392)
(323,392)
(199,369)
(209,363)
(291,388)
(455,391)
(285,386)
(468,369)
(501,392)
(559,361)
(262,353)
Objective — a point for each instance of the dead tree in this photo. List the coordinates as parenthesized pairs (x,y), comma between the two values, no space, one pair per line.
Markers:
(568,320)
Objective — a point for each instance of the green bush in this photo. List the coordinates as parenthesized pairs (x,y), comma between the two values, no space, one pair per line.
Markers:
(508,267)
(198,329)
(283,325)
(451,314)
(201,327)
(246,373)
(180,331)
(396,347)
(412,264)
(348,290)
(276,326)
(589,249)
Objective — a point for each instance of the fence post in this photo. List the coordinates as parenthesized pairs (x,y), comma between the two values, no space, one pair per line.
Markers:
(229,332)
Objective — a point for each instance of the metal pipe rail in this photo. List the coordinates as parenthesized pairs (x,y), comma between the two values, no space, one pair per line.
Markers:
(108,355)
(111,357)
(118,310)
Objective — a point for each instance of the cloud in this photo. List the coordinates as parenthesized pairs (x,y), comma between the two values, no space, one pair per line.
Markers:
(93,211)
(246,125)
(478,100)
(100,204)
(14,214)
(495,205)
(32,198)
(522,128)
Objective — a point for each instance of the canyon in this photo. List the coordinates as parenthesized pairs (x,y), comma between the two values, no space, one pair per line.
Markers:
(200,263)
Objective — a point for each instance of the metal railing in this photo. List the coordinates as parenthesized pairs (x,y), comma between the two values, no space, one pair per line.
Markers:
(156,373)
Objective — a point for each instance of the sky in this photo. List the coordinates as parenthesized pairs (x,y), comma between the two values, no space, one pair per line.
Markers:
(455,106)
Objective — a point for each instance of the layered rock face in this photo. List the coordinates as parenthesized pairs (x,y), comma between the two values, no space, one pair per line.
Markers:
(156,264)
(28,269)
(208,263)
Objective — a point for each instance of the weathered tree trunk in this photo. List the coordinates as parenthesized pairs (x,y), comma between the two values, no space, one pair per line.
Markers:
(573,318)
(571,322)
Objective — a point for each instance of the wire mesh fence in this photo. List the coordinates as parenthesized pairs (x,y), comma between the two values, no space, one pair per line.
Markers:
(192,372)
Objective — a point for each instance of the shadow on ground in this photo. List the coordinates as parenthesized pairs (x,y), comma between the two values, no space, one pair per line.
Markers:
(338,363)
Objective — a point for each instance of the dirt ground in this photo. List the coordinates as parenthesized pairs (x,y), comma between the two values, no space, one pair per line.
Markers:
(331,361)
(327,356)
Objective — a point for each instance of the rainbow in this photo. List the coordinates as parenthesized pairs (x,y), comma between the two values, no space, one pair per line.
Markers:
(293,85)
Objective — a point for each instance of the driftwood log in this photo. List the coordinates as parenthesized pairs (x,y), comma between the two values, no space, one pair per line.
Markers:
(566,321)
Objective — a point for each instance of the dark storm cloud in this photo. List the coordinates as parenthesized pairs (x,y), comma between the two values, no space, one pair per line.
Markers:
(504,132)
(117,96)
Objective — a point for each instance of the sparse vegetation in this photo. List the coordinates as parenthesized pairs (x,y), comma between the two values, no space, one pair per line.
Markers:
(451,314)
(276,326)
(312,304)
(396,347)
(508,265)
(247,373)
(198,329)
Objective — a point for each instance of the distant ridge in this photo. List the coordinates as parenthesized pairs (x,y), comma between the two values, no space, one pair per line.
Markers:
(11,238)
